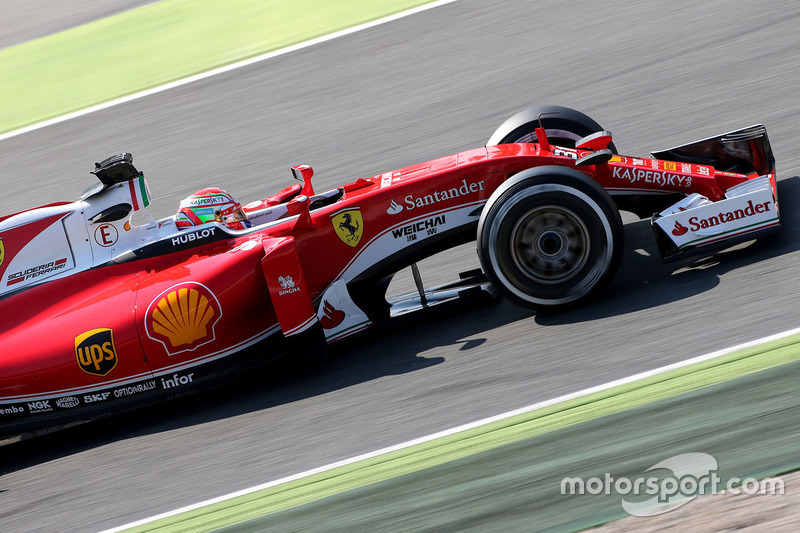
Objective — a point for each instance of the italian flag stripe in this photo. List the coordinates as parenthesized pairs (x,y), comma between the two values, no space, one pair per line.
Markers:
(134,199)
(143,189)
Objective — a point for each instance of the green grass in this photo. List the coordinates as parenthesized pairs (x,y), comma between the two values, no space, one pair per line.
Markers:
(472,441)
(158,43)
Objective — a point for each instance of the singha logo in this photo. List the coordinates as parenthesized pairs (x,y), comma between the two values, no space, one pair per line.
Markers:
(287,285)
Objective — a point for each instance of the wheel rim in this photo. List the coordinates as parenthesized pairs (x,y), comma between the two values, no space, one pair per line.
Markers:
(550,244)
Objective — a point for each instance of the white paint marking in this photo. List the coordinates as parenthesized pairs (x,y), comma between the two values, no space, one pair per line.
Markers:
(465,427)
(224,69)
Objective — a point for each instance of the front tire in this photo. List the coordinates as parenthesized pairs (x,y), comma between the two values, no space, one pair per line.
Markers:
(564,126)
(550,238)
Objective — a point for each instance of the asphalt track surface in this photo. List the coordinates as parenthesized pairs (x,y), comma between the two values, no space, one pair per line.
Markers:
(25,20)
(416,89)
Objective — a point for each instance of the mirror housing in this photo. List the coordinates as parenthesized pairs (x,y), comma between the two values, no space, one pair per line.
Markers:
(304,173)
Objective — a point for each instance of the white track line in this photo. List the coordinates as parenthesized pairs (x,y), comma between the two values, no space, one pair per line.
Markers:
(461,428)
(226,68)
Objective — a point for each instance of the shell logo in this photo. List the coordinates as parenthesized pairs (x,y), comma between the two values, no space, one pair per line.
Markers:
(183,317)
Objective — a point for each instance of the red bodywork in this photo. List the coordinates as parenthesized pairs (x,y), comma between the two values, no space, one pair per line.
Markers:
(161,323)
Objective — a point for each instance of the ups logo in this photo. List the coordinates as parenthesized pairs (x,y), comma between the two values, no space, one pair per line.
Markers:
(96,352)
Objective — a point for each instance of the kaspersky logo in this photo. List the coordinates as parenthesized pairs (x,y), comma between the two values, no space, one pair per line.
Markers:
(183,317)
(95,351)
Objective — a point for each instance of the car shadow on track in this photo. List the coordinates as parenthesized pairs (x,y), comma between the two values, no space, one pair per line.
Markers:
(390,350)
(644,281)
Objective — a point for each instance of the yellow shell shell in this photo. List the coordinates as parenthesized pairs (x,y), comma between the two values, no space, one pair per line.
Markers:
(182,316)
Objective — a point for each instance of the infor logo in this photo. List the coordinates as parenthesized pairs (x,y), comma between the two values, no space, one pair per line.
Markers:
(95,351)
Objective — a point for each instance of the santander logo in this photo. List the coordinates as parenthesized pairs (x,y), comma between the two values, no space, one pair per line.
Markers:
(697,223)
(679,229)
(332,316)
(394,208)
(415,202)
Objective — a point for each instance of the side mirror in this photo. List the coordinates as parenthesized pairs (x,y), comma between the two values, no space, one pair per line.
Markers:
(304,173)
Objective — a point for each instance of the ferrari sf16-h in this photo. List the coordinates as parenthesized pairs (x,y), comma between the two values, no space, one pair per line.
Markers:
(104,307)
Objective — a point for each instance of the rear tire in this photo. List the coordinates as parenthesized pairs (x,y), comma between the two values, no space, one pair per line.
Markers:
(550,238)
(563,125)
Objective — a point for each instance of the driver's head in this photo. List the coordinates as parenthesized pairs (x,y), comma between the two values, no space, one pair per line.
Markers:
(211,205)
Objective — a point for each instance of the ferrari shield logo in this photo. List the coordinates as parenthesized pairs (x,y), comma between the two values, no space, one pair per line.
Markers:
(349,226)
(2,252)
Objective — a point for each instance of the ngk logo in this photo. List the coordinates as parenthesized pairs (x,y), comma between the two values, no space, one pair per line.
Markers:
(39,407)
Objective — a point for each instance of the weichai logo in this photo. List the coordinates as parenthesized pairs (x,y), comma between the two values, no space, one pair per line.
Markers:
(183,317)
(95,351)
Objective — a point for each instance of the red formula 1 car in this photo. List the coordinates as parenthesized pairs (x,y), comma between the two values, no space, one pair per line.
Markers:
(101,312)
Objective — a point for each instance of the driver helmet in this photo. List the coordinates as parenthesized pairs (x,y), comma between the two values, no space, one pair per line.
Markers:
(211,205)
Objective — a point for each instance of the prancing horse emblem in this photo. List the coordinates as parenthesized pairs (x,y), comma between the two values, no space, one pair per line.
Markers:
(349,226)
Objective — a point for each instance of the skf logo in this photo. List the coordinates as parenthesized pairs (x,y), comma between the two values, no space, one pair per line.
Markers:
(96,352)
(99,397)
(349,226)
(183,317)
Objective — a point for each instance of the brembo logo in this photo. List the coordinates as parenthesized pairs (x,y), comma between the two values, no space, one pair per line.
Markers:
(95,351)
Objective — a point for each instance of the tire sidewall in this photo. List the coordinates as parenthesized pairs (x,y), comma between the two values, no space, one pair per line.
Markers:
(549,186)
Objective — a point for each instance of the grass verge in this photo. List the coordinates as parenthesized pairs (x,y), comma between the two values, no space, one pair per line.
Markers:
(439,451)
(159,43)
